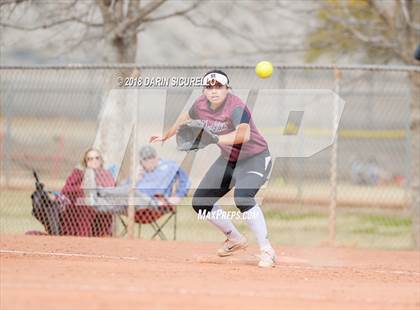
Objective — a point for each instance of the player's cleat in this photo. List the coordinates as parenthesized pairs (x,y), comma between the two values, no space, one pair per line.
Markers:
(267,258)
(230,246)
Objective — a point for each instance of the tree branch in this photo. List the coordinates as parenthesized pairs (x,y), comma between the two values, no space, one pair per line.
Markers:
(383,15)
(135,20)
(12,10)
(106,14)
(176,13)
(379,41)
(407,16)
(143,13)
(43,26)
(6,2)
(82,40)
(371,41)
(133,6)
(118,9)
(272,51)
(219,27)
(87,23)
(71,5)
(79,19)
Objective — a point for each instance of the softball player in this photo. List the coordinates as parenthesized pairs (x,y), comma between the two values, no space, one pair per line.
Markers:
(244,163)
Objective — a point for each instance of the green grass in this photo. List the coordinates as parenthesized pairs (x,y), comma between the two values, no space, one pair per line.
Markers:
(292,226)
(276,215)
(15,213)
(388,221)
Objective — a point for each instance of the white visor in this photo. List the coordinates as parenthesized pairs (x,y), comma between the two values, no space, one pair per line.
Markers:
(213,77)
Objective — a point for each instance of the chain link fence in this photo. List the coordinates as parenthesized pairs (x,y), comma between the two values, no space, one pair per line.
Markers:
(50,116)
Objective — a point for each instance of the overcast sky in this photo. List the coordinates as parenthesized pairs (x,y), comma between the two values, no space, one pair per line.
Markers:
(175,41)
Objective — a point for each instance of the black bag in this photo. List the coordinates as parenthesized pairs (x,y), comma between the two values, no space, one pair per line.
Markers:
(45,209)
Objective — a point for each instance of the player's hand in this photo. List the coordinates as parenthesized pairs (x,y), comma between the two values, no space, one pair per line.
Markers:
(154,139)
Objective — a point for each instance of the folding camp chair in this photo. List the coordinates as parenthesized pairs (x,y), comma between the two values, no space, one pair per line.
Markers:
(151,215)
(45,209)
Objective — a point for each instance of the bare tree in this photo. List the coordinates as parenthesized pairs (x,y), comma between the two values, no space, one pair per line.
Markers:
(383,31)
(114,23)
(261,32)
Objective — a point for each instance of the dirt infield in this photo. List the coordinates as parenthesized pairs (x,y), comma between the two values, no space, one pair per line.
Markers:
(39,272)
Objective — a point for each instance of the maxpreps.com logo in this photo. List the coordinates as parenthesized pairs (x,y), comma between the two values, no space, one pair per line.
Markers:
(221,214)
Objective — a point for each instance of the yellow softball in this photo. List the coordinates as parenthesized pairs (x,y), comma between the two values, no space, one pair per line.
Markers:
(264,69)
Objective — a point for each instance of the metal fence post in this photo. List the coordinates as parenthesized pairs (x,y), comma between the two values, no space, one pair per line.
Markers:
(415,156)
(133,177)
(7,142)
(333,172)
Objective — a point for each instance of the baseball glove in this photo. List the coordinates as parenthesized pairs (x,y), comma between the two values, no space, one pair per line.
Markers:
(194,135)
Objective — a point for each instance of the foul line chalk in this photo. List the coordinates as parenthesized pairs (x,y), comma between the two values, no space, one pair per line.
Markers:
(66,254)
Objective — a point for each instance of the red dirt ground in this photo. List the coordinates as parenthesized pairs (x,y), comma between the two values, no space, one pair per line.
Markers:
(138,274)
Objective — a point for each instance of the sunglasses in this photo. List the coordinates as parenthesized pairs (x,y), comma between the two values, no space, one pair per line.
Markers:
(93,158)
(147,158)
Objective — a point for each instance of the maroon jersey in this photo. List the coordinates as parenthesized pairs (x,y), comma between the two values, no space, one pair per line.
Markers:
(224,120)
(82,220)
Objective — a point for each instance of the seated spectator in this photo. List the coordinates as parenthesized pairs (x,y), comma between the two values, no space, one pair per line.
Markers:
(369,173)
(156,178)
(79,219)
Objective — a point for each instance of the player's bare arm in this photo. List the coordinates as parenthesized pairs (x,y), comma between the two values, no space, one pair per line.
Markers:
(241,135)
(172,131)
